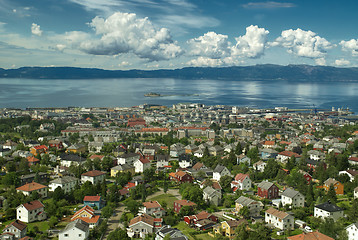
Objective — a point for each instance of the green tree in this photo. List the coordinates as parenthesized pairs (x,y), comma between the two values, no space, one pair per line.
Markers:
(331,194)
(225,183)
(118,234)
(353,212)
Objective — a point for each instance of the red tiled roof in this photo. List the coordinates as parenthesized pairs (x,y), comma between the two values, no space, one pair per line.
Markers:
(93,173)
(123,191)
(96,156)
(32,159)
(90,220)
(40,147)
(151,204)
(185,202)
(354,159)
(144,160)
(240,177)
(84,209)
(153,130)
(198,165)
(29,187)
(289,154)
(142,218)
(33,205)
(17,224)
(310,236)
(271,143)
(92,198)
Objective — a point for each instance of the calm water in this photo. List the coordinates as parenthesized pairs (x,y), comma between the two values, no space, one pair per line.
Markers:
(22,93)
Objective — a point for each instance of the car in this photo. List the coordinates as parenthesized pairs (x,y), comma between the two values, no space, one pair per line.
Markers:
(308,229)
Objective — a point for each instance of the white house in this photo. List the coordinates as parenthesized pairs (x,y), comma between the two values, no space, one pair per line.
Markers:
(67,183)
(241,182)
(350,172)
(28,188)
(141,164)
(17,229)
(31,212)
(356,193)
(93,176)
(212,195)
(259,166)
(293,198)
(128,158)
(279,219)
(352,231)
(176,150)
(219,172)
(76,229)
(328,210)
(152,208)
(143,225)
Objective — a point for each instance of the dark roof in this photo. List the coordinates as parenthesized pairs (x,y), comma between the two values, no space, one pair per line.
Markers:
(219,168)
(329,207)
(72,157)
(78,223)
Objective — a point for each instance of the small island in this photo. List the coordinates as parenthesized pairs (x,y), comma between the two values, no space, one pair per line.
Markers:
(152,94)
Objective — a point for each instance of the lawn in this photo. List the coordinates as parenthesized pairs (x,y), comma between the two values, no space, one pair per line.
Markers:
(292,233)
(204,236)
(184,228)
(168,198)
(42,226)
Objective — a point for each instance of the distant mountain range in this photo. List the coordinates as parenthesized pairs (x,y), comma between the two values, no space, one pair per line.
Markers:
(257,72)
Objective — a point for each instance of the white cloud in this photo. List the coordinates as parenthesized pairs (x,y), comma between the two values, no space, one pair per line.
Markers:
(268,5)
(342,62)
(210,45)
(320,61)
(125,33)
(350,46)
(252,44)
(60,47)
(35,29)
(205,62)
(303,43)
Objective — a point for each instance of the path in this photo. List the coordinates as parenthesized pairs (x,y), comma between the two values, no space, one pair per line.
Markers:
(174,192)
(113,221)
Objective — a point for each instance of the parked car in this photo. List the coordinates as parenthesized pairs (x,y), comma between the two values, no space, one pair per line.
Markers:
(308,229)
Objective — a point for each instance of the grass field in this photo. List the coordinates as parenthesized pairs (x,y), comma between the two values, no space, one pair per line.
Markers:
(168,198)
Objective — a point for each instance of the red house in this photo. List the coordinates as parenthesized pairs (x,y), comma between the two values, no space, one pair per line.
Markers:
(193,219)
(306,175)
(178,204)
(180,177)
(38,150)
(55,144)
(267,190)
(32,161)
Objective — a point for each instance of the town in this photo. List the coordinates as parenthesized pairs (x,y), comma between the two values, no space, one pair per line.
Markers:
(188,171)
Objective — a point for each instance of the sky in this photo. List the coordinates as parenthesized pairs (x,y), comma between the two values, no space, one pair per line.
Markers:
(170,34)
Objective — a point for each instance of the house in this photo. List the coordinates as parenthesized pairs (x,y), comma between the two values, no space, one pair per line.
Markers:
(178,204)
(95,147)
(162,160)
(219,172)
(123,168)
(328,210)
(29,188)
(306,175)
(67,183)
(241,182)
(253,206)
(32,161)
(176,150)
(184,161)
(143,225)
(31,212)
(353,160)
(313,164)
(76,229)
(141,165)
(311,236)
(227,228)
(351,174)
(267,190)
(199,166)
(55,144)
(193,219)
(76,148)
(214,184)
(36,150)
(128,158)
(316,155)
(124,193)
(87,215)
(172,232)
(338,187)
(243,159)
(94,176)
(267,153)
(10,145)
(66,160)
(17,228)
(212,195)
(285,155)
(355,193)
(191,148)
(293,198)
(180,177)
(216,150)
(259,166)
(28,178)
(93,201)
(279,219)
(352,231)
(152,208)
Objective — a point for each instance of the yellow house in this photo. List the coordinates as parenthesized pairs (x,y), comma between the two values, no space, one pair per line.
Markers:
(76,148)
(227,228)
(122,169)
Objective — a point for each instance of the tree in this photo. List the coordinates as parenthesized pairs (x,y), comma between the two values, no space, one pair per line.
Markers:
(53,221)
(107,163)
(245,212)
(225,183)
(107,211)
(241,232)
(331,194)
(58,194)
(118,234)
(132,206)
(353,213)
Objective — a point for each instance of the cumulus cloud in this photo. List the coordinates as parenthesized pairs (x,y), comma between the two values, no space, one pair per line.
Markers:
(35,29)
(303,43)
(342,62)
(212,62)
(60,47)
(268,5)
(125,33)
(320,61)
(252,44)
(350,46)
(210,45)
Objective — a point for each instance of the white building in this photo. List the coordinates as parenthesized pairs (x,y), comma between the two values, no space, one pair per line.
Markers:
(352,231)
(128,158)
(293,198)
(259,166)
(77,229)
(94,177)
(15,229)
(253,206)
(141,164)
(328,210)
(152,208)
(67,183)
(31,212)
(219,172)
(279,219)
(241,182)
(356,193)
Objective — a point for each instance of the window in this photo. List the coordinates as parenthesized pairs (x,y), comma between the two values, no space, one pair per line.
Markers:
(80,235)
(66,235)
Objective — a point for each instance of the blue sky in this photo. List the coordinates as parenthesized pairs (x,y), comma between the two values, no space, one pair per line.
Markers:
(149,34)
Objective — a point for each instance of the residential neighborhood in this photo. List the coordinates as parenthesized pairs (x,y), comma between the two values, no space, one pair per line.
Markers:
(189,171)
